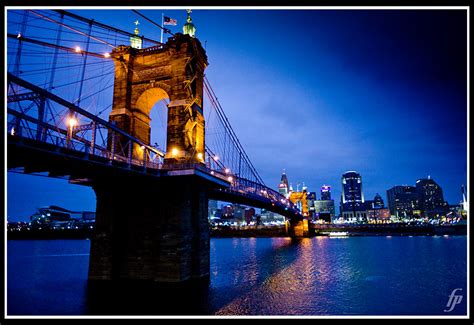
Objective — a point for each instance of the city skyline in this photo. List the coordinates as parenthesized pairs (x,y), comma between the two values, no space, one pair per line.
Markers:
(380,92)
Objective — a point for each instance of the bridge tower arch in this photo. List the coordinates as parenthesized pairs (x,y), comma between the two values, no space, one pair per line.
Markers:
(145,76)
(156,228)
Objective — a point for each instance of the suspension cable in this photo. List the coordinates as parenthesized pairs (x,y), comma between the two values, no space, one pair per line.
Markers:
(232,134)
(73,29)
(114,29)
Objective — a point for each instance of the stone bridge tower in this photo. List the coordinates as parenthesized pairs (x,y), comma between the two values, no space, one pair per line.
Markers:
(156,228)
(174,71)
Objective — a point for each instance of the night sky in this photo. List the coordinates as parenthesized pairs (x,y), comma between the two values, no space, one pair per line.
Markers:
(318,93)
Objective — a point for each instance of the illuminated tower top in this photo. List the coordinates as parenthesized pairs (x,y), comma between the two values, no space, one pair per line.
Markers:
(188,28)
(283,187)
(325,192)
(136,27)
(464,199)
(136,41)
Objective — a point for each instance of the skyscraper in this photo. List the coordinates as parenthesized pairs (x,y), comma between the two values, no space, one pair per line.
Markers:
(352,205)
(391,193)
(283,187)
(464,199)
(378,202)
(403,201)
(325,192)
(431,197)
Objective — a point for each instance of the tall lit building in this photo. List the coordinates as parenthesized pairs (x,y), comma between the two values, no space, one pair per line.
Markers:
(392,193)
(378,202)
(311,198)
(431,198)
(404,201)
(352,197)
(283,187)
(464,200)
(325,192)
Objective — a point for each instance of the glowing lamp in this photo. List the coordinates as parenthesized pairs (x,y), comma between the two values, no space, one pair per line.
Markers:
(216,158)
(106,55)
(227,170)
(200,156)
(230,179)
(174,152)
(72,122)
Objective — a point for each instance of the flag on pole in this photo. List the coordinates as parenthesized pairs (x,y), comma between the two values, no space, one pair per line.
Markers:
(169,21)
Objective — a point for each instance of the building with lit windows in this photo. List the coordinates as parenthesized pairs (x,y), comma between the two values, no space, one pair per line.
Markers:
(324,210)
(325,192)
(284,187)
(403,202)
(432,201)
(378,215)
(352,198)
(310,199)
(376,211)
(378,202)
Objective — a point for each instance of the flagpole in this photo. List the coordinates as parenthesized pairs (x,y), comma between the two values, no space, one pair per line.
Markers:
(162,25)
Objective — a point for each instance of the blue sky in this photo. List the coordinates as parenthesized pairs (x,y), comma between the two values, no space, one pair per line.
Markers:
(320,92)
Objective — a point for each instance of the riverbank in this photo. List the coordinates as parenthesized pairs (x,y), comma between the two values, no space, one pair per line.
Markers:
(349,230)
(274,231)
(50,234)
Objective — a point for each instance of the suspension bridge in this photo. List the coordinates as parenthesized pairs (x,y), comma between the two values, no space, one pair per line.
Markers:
(79,106)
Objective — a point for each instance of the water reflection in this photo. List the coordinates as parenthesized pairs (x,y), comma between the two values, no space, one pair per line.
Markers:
(253,276)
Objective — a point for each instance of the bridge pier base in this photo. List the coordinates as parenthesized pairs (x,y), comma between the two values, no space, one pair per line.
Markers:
(298,228)
(151,229)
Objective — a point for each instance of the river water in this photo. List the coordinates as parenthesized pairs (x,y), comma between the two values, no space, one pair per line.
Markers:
(376,275)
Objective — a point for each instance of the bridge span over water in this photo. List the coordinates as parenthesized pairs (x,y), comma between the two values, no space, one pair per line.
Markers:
(151,216)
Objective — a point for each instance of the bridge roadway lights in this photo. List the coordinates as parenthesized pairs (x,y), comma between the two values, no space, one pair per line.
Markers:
(151,229)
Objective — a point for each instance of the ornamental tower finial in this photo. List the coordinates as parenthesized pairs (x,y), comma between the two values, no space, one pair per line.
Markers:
(188,28)
(135,40)
(136,27)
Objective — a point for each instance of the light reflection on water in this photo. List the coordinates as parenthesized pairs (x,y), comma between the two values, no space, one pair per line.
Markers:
(267,276)
(337,276)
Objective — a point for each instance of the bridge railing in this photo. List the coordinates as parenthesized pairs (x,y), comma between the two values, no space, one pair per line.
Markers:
(260,192)
(50,119)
